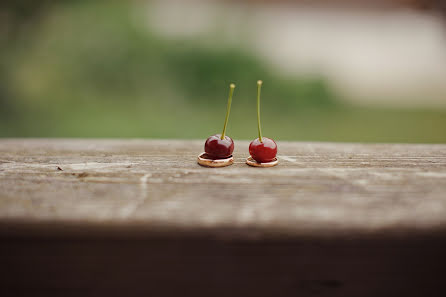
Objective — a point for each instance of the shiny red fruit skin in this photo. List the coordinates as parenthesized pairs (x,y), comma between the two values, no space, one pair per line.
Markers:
(218,148)
(264,151)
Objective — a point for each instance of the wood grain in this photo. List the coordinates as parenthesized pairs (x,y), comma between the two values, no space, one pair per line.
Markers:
(329,220)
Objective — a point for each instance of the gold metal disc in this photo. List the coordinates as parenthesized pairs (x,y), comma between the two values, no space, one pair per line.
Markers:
(204,160)
(251,162)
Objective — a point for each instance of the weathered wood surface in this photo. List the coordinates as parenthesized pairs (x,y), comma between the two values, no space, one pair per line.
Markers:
(317,187)
(138,217)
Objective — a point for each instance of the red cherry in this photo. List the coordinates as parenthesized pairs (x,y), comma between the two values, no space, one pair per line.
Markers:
(218,148)
(264,151)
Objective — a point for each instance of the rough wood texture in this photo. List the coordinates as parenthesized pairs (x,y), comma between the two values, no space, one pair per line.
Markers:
(104,217)
(317,186)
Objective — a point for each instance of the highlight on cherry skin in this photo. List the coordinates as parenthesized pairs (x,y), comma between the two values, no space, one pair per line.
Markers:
(262,149)
(221,146)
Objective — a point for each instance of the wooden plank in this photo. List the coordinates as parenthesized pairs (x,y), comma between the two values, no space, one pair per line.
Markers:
(316,187)
(131,217)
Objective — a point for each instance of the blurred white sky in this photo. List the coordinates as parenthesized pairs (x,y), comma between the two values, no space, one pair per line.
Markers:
(370,57)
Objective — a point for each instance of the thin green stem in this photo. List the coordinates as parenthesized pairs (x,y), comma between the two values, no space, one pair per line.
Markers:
(228,109)
(259,87)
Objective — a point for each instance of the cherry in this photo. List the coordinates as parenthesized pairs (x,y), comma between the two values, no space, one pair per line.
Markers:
(220,146)
(262,149)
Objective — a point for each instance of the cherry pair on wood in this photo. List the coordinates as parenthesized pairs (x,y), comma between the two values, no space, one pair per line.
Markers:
(219,147)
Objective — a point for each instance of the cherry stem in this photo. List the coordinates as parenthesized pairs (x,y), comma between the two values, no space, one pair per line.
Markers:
(228,109)
(259,87)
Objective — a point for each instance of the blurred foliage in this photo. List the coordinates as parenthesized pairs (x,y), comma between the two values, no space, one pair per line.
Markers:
(94,69)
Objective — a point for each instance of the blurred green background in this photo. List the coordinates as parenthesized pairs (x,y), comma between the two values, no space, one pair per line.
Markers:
(95,69)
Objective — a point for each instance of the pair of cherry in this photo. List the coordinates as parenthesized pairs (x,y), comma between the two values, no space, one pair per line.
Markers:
(219,147)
